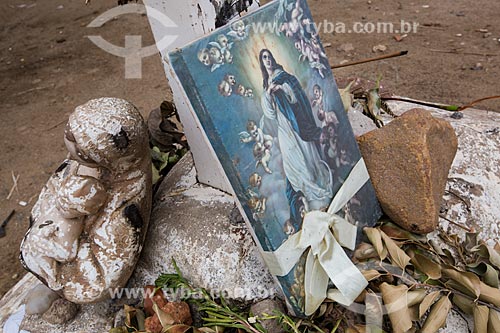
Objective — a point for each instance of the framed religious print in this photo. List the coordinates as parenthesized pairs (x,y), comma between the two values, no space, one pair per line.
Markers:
(263,92)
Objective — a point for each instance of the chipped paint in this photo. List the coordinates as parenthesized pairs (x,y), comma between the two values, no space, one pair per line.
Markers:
(89,246)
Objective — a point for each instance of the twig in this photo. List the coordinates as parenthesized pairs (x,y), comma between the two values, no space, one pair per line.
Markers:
(392,55)
(29,90)
(465,53)
(455,223)
(4,223)
(460,198)
(477,101)
(14,187)
(56,125)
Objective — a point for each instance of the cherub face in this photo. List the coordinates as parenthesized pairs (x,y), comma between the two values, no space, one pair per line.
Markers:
(216,56)
(298,46)
(229,78)
(323,138)
(249,93)
(255,180)
(331,131)
(317,92)
(204,56)
(240,90)
(225,88)
(331,118)
(223,41)
(239,28)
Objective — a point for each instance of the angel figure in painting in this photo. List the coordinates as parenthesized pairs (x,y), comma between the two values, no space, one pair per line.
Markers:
(284,102)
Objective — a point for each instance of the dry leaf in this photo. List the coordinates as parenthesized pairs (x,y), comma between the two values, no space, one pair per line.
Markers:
(413,313)
(453,285)
(487,272)
(468,280)
(376,239)
(489,294)
(365,251)
(416,297)
(481,314)
(494,321)
(486,251)
(470,240)
(398,256)
(371,274)
(395,300)
(165,318)
(437,317)
(463,303)
(427,302)
(426,266)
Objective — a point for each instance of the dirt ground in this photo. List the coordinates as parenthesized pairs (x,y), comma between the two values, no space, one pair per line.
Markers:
(48,66)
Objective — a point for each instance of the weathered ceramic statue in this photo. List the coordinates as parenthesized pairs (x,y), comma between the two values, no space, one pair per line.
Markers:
(89,223)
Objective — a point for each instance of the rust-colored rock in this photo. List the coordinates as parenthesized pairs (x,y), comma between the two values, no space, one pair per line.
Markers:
(408,161)
(178,311)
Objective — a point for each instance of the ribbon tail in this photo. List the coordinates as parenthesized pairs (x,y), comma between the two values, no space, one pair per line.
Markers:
(344,274)
(282,261)
(354,182)
(315,284)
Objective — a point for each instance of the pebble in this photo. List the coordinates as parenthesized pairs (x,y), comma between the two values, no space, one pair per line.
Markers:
(15,276)
(23,203)
(379,48)
(459,35)
(477,67)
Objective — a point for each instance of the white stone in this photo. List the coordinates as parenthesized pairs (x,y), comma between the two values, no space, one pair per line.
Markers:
(194,224)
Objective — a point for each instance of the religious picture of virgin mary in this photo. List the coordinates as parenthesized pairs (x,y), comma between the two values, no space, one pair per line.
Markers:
(286,105)
(270,110)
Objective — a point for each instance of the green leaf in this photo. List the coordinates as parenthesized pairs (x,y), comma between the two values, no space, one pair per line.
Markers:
(375,238)
(437,317)
(398,256)
(481,314)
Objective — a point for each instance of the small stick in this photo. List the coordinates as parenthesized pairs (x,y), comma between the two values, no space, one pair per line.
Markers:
(387,56)
(465,53)
(8,218)
(455,223)
(14,187)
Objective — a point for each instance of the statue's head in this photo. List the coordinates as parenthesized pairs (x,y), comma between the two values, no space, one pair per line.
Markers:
(107,132)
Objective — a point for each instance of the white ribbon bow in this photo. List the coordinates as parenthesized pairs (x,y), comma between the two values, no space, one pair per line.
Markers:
(324,233)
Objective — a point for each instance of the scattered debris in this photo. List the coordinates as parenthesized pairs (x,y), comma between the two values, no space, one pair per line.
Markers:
(347,47)
(399,38)
(325,45)
(379,48)
(477,67)
(14,186)
(4,223)
(457,115)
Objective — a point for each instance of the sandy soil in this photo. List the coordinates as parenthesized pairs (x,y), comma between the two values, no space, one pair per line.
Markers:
(48,66)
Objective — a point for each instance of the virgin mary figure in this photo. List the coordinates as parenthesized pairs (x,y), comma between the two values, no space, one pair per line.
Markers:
(308,177)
